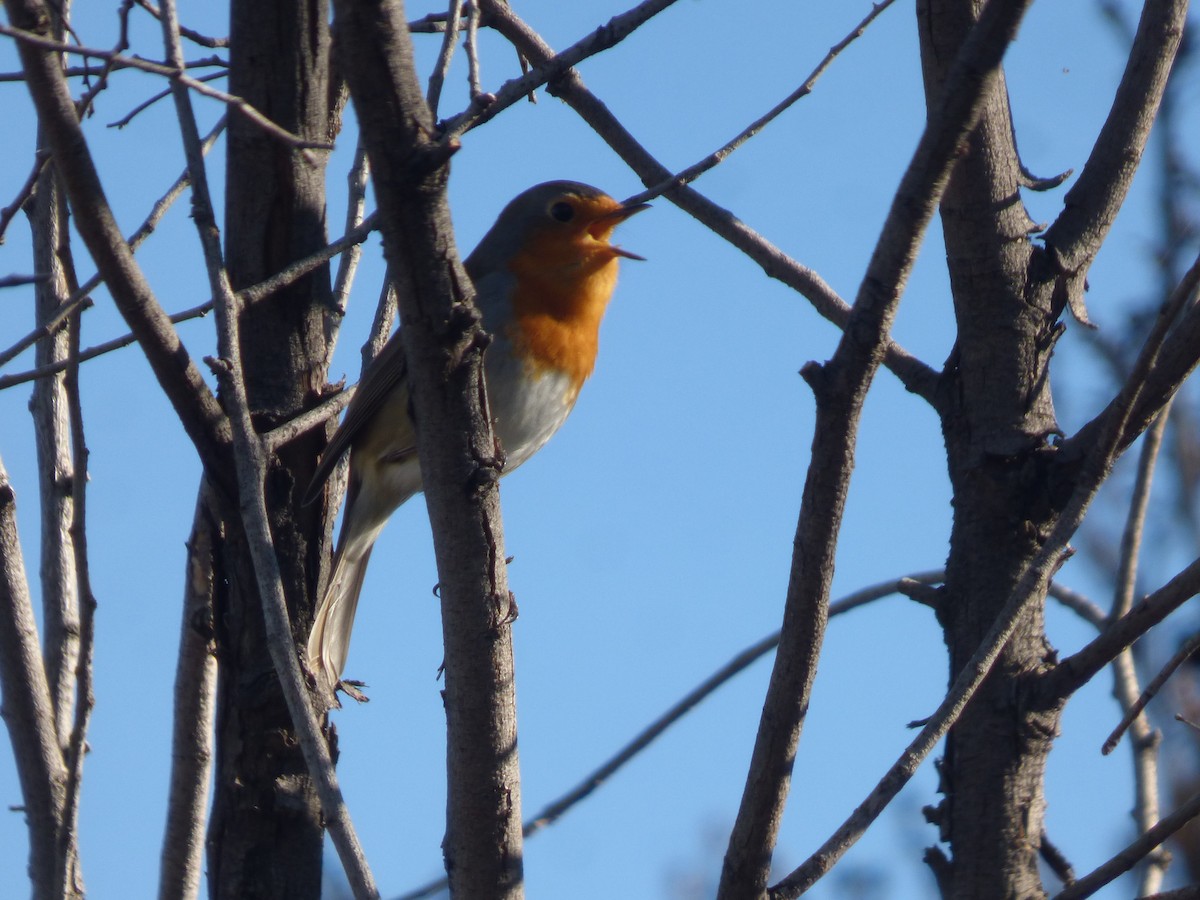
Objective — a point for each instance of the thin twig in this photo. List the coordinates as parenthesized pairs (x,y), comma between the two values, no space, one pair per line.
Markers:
(916,376)
(176,74)
(433,23)
(84,106)
(247,296)
(1186,652)
(201,415)
(9,281)
(694,171)
(741,661)
(1080,605)
(471,49)
(1079,668)
(8,381)
(485,106)
(381,326)
(438,77)
(1091,205)
(306,421)
(1133,854)
(8,213)
(161,95)
(293,272)
(1056,859)
(356,201)
(86,71)
(194,36)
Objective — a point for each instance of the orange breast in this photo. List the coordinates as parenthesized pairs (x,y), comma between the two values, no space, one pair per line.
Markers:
(561,291)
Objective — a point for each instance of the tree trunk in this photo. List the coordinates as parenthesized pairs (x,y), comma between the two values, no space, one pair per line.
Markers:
(265,838)
(997,416)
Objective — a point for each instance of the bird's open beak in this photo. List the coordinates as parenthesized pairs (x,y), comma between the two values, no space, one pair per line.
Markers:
(609,221)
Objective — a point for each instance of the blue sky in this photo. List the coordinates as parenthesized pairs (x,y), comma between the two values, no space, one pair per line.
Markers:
(653,535)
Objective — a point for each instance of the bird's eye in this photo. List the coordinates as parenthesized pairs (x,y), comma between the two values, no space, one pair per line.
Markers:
(562,211)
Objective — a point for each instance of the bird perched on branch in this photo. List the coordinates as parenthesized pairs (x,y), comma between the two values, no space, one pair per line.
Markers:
(543,277)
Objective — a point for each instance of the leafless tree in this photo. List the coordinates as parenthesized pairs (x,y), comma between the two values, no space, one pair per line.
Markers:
(258,555)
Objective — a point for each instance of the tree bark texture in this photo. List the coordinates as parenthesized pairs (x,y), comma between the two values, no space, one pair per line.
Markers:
(265,837)
(997,415)
(47,210)
(443,346)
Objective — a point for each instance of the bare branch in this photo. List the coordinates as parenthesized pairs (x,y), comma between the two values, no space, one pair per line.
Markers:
(47,211)
(471,48)
(1145,742)
(739,663)
(553,811)
(250,463)
(694,171)
(306,421)
(28,710)
(161,95)
(85,700)
(1062,680)
(1131,855)
(1079,668)
(31,39)
(1055,859)
(381,326)
(486,106)
(301,267)
(443,349)
(9,281)
(192,723)
(194,403)
(1186,652)
(1169,354)
(840,387)
(247,296)
(85,71)
(449,41)
(914,374)
(8,381)
(9,212)
(194,36)
(1079,604)
(356,201)
(80,298)
(1092,203)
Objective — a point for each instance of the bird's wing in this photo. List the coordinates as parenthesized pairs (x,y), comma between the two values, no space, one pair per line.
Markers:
(387,370)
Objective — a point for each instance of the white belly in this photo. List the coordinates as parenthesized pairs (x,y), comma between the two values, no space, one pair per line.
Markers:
(525,419)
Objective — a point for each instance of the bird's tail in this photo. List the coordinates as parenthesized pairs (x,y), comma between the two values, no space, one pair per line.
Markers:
(329,640)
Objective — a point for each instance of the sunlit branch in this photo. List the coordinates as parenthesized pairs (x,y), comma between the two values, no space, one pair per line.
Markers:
(603,38)
(916,376)
(250,463)
(694,171)
(176,74)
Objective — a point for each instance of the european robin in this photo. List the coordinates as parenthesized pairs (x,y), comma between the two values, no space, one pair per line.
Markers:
(543,277)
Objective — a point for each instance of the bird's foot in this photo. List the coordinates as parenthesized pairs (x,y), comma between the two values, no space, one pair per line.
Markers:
(350,688)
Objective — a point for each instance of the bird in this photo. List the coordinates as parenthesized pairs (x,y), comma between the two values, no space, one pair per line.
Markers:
(543,276)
